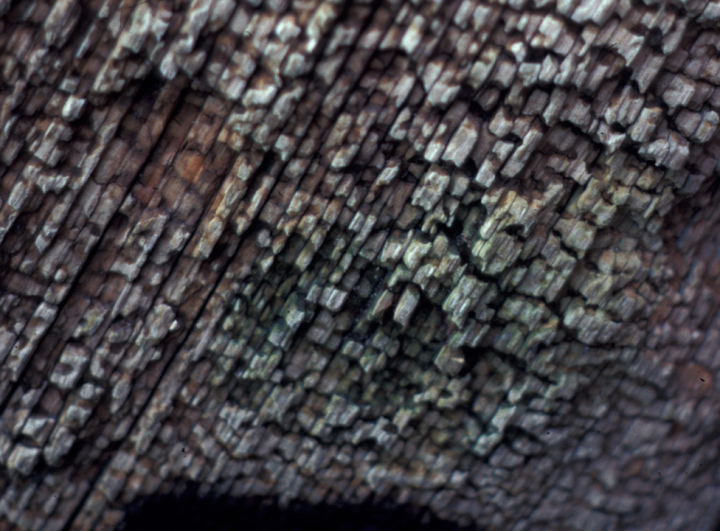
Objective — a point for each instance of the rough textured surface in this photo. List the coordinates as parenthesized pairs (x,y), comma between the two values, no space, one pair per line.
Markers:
(461,255)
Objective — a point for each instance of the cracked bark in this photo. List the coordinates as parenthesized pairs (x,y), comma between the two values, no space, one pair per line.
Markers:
(459,255)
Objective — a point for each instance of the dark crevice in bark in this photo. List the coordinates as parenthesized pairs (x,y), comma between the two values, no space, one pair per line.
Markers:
(187,509)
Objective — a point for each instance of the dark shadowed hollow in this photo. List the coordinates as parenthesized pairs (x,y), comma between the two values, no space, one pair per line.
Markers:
(189,511)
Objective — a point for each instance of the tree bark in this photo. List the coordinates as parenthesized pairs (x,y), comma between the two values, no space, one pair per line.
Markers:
(461,255)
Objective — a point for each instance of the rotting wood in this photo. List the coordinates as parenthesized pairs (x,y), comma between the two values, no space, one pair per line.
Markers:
(462,254)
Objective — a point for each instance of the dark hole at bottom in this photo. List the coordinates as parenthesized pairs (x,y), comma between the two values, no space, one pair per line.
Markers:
(188,511)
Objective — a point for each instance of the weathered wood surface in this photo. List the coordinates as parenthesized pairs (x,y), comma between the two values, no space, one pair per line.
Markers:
(460,254)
